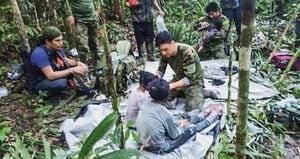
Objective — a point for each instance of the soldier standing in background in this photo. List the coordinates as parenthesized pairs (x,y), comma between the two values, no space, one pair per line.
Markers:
(143,24)
(84,16)
(232,10)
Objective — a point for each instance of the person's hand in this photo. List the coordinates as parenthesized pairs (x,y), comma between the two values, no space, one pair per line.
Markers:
(127,4)
(97,12)
(83,65)
(200,49)
(71,20)
(161,13)
(213,108)
(171,86)
(183,123)
(78,70)
(157,74)
(204,24)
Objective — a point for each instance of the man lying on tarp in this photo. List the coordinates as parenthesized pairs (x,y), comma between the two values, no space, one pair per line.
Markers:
(157,128)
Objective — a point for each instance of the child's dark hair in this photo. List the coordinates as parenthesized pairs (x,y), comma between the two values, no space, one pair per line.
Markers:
(145,78)
(163,38)
(159,89)
(212,7)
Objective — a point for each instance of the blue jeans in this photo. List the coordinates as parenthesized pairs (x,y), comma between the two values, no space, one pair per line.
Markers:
(184,137)
(51,86)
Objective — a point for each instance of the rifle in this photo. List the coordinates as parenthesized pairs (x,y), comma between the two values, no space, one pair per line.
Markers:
(227,46)
(85,89)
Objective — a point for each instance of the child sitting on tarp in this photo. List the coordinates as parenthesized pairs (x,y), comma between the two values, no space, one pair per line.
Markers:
(156,127)
(139,95)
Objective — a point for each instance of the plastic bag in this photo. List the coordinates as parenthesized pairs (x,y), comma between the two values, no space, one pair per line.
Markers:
(160,24)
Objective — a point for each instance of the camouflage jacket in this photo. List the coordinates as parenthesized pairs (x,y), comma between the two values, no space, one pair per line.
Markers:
(82,10)
(185,63)
(217,41)
(230,4)
(142,13)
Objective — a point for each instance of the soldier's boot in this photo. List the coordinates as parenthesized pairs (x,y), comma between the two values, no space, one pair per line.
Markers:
(149,48)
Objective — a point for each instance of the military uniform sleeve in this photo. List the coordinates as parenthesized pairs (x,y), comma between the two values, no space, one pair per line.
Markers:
(162,66)
(221,34)
(189,66)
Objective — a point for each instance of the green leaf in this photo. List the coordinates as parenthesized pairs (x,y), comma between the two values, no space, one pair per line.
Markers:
(47,148)
(127,134)
(29,31)
(22,149)
(135,137)
(98,133)
(2,30)
(121,154)
(130,123)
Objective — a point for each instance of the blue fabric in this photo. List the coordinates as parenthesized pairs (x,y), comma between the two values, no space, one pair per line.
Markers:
(54,85)
(40,56)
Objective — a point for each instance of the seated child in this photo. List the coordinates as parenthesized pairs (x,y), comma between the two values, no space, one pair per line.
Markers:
(138,96)
(156,127)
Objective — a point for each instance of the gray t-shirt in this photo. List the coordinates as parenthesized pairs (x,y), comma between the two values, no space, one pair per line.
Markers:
(155,125)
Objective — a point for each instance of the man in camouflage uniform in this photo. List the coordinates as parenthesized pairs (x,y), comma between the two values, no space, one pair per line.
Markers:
(213,45)
(83,15)
(143,25)
(184,61)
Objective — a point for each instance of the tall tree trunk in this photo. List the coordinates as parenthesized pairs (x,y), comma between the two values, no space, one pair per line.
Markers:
(117,10)
(20,25)
(248,21)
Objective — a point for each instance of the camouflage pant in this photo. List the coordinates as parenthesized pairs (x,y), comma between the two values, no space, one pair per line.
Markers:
(208,53)
(87,41)
(193,96)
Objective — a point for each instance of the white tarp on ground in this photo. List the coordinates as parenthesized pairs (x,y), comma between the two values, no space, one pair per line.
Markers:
(74,130)
(259,88)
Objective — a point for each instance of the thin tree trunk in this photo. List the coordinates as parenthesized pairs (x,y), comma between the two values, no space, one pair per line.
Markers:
(117,9)
(111,78)
(20,25)
(229,85)
(248,21)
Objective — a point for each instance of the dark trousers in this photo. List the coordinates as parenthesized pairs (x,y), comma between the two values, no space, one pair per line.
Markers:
(144,33)
(185,136)
(297,31)
(234,15)
(51,86)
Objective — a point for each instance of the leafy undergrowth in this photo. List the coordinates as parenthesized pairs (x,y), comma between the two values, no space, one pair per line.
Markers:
(25,115)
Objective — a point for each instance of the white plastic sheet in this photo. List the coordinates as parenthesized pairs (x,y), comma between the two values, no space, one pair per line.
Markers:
(160,24)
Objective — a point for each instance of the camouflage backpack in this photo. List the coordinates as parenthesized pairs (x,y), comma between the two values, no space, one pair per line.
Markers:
(125,70)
